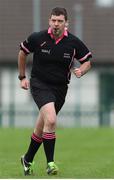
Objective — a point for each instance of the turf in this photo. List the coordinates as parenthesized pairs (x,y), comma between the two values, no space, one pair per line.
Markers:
(80,153)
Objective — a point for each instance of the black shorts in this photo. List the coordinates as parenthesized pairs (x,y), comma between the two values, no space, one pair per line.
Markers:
(44,93)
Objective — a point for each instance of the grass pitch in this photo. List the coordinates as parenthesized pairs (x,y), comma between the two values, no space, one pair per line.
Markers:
(80,153)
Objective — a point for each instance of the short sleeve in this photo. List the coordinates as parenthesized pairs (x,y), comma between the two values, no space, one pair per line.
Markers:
(82,52)
(29,44)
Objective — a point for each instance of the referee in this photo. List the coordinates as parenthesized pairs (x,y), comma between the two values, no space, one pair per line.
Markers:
(54,51)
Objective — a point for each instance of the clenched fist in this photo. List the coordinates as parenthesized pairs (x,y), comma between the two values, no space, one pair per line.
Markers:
(77,72)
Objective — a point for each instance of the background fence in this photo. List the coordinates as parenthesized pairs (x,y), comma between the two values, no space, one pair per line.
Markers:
(90,100)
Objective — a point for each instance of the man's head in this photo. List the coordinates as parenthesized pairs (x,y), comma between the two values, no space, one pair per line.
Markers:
(60,11)
(58,21)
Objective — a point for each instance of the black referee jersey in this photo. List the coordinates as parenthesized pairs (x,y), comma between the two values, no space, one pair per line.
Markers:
(52,61)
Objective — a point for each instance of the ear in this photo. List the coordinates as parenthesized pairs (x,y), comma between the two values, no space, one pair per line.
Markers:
(66,24)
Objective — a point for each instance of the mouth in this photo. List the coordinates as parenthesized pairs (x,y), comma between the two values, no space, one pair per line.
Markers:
(56,30)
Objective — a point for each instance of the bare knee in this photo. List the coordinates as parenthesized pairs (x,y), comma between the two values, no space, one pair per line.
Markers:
(50,123)
(49,116)
(50,120)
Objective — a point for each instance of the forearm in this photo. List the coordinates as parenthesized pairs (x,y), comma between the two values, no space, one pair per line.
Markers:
(21,63)
(84,68)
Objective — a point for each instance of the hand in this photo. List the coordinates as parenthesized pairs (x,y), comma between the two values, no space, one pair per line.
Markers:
(77,72)
(25,84)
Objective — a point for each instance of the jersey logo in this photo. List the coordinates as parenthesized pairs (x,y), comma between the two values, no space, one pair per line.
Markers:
(45,51)
(66,55)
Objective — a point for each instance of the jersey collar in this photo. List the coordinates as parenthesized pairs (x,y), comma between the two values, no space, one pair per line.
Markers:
(65,33)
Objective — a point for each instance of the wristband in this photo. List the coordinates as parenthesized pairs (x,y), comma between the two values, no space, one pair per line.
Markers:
(21,77)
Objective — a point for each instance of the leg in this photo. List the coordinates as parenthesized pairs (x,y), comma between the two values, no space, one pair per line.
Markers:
(49,115)
(38,130)
(36,141)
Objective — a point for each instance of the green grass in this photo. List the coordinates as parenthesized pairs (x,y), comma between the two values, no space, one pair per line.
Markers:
(80,153)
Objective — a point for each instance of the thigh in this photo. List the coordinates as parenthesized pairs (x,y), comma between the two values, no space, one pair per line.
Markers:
(60,94)
(41,92)
(48,111)
(49,115)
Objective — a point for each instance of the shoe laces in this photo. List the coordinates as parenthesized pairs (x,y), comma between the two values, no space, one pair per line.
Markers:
(31,164)
(52,165)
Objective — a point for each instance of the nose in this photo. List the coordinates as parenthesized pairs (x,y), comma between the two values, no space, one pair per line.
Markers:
(56,23)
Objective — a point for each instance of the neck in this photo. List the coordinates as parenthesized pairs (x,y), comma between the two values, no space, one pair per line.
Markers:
(57,36)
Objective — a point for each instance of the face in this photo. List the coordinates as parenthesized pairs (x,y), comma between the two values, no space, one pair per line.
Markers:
(57,24)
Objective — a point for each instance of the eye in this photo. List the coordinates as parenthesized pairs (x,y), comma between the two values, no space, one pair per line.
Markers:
(60,21)
(53,20)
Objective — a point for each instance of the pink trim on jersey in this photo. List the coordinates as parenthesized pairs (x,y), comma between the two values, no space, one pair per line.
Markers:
(22,45)
(49,31)
(82,59)
(71,63)
(65,33)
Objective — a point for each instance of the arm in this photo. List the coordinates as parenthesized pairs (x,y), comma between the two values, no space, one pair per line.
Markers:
(22,69)
(83,69)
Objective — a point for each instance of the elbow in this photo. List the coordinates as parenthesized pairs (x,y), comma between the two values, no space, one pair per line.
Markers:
(22,53)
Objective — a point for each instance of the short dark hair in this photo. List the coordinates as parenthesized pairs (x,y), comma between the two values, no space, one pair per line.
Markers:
(59,11)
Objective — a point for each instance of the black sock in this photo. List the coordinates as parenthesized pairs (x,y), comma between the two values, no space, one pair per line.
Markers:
(33,147)
(49,145)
